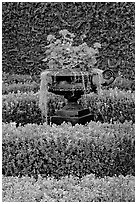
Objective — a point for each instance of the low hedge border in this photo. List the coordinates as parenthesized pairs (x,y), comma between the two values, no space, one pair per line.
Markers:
(110,106)
(27,87)
(100,149)
(23,108)
(16,78)
(120,82)
(123,84)
(69,189)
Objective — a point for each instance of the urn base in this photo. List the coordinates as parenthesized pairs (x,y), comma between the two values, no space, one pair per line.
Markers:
(73,120)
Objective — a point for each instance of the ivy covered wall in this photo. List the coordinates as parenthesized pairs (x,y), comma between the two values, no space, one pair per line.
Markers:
(25,26)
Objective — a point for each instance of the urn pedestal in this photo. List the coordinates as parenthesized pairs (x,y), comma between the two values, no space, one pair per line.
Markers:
(73,113)
(72,85)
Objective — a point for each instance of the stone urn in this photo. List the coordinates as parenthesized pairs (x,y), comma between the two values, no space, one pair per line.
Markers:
(72,84)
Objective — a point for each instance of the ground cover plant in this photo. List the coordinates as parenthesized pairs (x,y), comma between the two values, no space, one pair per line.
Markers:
(69,189)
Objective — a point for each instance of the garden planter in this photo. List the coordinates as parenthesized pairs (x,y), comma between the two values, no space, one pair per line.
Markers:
(72,84)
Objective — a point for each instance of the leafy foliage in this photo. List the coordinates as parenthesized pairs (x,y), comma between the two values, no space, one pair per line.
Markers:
(61,53)
(69,189)
(26,26)
(9,79)
(25,83)
(122,83)
(112,105)
(27,87)
(23,108)
(101,149)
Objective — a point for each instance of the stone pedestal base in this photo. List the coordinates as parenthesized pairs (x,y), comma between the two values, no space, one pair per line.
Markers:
(72,113)
(73,120)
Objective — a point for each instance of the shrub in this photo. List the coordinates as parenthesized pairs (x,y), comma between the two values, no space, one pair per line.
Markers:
(123,84)
(6,89)
(16,78)
(24,107)
(112,105)
(69,189)
(100,149)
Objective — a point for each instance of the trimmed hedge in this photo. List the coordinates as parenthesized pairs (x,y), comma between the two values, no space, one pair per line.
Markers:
(69,189)
(23,108)
(16,82)
(100,149)
(16,78)
(27,87)
(110,106)
(122,83)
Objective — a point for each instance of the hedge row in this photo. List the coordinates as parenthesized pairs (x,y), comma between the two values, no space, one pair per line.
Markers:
(27,87)
(23,108)
(122,83)
(14,82)
(110,106)
(16,78)
(69,189)
(100,149)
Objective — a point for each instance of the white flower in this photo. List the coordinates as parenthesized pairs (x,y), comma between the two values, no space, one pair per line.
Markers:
(50,37)
(97,45)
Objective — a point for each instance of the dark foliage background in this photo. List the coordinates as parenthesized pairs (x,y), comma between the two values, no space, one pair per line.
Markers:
(25,26)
